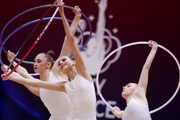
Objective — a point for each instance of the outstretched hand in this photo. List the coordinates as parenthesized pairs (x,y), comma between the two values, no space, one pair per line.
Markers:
(12,76)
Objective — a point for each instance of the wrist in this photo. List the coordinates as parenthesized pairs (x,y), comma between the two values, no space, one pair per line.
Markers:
(78,15)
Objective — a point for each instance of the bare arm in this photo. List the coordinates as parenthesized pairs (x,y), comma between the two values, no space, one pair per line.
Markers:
(65,51)
(143,81)
(57,86)
(22,71)
(73,28)
(80,65)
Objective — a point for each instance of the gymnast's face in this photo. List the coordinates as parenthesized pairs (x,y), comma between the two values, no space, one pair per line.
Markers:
(128,89)
(65,63)
(40,63)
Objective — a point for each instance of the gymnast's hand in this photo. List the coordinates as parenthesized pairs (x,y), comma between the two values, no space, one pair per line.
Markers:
(10,56)
(60,5)
(4,68)
(153,44)
(77,11)
(117,111)
(12,76)
(103,4)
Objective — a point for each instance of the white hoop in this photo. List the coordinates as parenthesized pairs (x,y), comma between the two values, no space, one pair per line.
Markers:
(128,45)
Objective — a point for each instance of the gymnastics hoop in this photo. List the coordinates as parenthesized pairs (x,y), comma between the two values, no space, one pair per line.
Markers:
(32,46)
(41,36)
(29,37)
(2,47)
(29,23)
(128,45)
(44,6)
(38,7)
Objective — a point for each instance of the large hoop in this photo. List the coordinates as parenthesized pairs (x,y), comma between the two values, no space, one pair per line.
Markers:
(26,24)
(128,45)
(39,35)
(32,46)
(45,6)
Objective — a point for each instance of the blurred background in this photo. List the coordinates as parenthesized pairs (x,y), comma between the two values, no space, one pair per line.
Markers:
(114,23)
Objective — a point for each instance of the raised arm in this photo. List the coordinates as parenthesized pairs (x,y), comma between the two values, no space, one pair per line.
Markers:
(80,65)
(22,71)
(143,81)
(65,50)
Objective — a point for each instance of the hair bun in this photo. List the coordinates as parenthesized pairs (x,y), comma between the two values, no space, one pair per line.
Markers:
(51,53)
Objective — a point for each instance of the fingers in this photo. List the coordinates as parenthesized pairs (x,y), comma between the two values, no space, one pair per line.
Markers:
(115,108)
(152,43)
(12,76)
(10,55)
(3,76)
(3,68)
(77,10)
(59,3)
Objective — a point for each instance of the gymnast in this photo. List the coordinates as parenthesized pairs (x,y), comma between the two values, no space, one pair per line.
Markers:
(80,86)
(57,103)
(135,94)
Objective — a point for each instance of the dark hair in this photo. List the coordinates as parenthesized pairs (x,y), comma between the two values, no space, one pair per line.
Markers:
(50,55)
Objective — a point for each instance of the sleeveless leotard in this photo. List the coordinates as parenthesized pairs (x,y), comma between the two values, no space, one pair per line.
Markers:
(83,100)
(136,111)
(57,103)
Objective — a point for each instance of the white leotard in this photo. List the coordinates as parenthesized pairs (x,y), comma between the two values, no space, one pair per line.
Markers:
(136,111)
(83,99)
(57,103)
